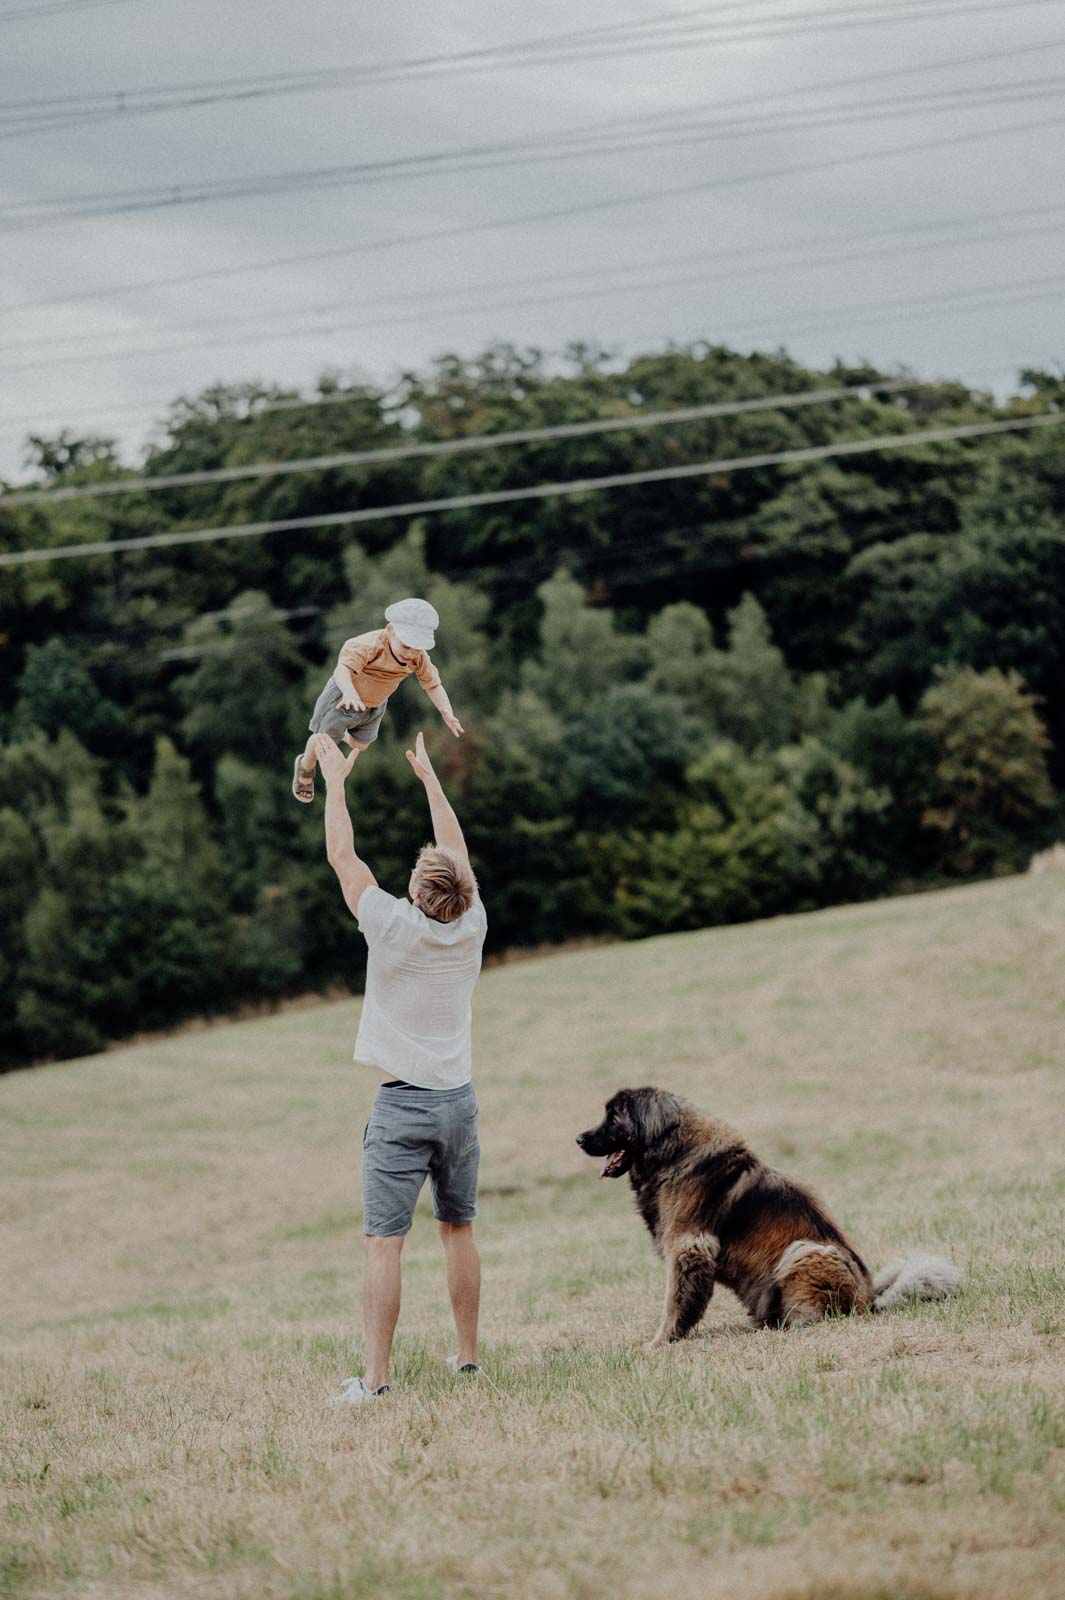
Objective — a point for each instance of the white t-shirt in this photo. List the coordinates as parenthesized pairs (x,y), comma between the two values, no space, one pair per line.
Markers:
(416,1013)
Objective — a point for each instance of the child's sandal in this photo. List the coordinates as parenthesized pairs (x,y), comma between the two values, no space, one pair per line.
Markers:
(303,783)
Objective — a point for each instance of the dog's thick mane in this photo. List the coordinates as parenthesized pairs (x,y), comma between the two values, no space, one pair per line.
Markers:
(701,1147)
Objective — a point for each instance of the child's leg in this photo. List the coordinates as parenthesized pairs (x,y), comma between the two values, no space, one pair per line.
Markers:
(329,719)
(303,782)
(309,758)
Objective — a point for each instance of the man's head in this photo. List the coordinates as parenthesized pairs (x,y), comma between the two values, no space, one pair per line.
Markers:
(442,884)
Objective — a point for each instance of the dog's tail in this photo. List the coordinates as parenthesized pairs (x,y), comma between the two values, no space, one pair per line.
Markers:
(918,1277)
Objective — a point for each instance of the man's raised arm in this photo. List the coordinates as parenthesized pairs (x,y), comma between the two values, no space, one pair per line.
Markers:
(354,875)
(446,828)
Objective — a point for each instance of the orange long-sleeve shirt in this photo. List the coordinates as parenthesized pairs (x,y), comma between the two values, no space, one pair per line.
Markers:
(377,671)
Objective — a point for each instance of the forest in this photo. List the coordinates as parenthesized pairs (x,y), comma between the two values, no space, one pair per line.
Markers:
(692,702)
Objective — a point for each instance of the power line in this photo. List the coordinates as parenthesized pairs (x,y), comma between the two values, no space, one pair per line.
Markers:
(340,397)
(259,406)
(522,570)
(537,150)
(543,491)
(464,445)
(77,110)
(48,113)
(862,309)
(732,253)
(649,118)
(597,291)
(56,8)
(552,214)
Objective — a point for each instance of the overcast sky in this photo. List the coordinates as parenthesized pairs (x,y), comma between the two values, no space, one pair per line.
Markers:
(134,44)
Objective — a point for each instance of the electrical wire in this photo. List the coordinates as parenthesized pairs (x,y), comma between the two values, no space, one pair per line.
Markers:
(648,118)
(552,214)
(763,262)
(861,314)
(600,560)
(421,449)
(44,114)
(543,491)
(64,209)
(56,8)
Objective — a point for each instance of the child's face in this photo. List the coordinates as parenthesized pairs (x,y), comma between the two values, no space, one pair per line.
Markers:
(402,652)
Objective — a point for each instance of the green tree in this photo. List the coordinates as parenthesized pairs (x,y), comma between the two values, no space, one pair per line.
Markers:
(56,692)
(722,860)
(756,692)
(581,654)
(990,790)
(833,826)
(626,749)
(241,698)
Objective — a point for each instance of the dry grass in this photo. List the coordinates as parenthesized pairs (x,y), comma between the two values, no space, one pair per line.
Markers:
(181,1276)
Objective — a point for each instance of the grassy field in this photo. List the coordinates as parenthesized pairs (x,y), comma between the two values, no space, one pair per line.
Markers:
(181,1270)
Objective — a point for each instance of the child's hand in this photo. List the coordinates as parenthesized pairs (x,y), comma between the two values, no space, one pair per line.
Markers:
(350,701)
(455,725)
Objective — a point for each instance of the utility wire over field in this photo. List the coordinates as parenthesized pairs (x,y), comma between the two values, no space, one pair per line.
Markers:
(845,315)
(590,280)
(55,8)
(464,445)
(543,491)
(635,135)
(670,32)
(551,214)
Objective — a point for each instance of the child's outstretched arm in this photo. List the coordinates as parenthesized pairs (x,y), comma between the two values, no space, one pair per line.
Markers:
(429,679)
(440,700)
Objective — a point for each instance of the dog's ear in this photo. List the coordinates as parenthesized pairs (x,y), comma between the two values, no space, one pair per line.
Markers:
(654,1112)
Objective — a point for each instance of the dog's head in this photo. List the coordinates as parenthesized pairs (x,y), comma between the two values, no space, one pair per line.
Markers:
(634,1121)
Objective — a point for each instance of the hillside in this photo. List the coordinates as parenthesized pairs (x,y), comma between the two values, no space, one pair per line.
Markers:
(182,1261)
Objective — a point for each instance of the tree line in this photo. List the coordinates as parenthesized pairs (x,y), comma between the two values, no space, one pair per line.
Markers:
(686,703)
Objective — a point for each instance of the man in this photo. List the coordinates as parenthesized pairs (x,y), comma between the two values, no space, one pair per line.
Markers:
(424,959)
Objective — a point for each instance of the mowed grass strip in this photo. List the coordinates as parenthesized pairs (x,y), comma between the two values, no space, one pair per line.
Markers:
(182,1266)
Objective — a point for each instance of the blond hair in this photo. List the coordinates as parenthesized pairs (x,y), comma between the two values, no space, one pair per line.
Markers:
(445,883)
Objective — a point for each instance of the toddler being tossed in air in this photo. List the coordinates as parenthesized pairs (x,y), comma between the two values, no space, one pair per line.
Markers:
(369,668)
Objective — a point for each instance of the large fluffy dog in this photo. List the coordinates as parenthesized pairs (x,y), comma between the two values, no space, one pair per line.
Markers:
(718,1215)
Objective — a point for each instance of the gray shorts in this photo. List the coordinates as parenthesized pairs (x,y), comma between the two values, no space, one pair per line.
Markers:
(414,1134)
(336,720)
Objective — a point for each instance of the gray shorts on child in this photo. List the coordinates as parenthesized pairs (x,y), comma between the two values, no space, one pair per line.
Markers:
(336,720)
(414,1134)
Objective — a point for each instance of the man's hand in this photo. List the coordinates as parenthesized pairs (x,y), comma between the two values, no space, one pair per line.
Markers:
(446,828)
(420,762)
(335,767)
(453,723)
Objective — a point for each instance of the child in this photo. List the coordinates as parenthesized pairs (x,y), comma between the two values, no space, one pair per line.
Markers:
(369,667)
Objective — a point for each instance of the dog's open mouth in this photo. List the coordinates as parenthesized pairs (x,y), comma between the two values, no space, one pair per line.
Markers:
(614,1165)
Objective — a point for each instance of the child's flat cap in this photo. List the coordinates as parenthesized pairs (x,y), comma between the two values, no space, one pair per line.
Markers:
(415,622)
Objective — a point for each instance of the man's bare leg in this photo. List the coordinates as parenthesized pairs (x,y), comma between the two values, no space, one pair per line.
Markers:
(380,1303)
(463,1284)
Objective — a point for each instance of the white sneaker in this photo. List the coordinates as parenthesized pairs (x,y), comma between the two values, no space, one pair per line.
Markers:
(354,1392)
(469,1369)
